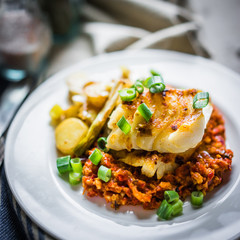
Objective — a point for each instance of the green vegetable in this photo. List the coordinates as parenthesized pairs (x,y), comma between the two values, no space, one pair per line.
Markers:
(155,84)
(102,142)
(74,178)
(155,73)
(99,121)
(138,86)
(96,156)
(165,210)
(63,164)
(201,100)
(177,207)
(171,196)
(76,165)
(145,111)
(127,94)
(124,125)
(104,173)
(197,198)
(157,88)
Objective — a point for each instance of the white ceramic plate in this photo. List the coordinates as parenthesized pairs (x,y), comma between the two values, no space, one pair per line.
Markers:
(64,212)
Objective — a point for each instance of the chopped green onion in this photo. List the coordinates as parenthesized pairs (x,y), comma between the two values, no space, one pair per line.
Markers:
(96,156)
(104,173)
(165,210)
(124,125)
(76,165)
(74,178)
(157,88)
(127,94)
(152,80)
(139,86)
(197,198)
(155,73)
(155,84)
(63,164)
(200,100)
(145,111)
(171,196)
(177,207)
(102,142)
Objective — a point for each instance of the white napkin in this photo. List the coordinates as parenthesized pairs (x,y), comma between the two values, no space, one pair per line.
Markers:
(135,24)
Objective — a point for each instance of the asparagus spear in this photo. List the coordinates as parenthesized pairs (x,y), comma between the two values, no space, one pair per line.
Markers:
(99,121)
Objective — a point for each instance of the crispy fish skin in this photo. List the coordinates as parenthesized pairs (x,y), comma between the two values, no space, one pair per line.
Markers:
(174,127)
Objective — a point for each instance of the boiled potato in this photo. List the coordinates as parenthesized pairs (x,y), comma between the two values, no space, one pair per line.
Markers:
(69,133)
(75,83)
(96,93)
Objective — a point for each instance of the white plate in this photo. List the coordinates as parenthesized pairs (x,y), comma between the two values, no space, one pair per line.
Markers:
(64,212)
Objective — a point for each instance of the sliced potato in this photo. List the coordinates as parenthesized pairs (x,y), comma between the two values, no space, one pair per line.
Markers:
(96,93)
(72,111)
(69,133)
(76,82)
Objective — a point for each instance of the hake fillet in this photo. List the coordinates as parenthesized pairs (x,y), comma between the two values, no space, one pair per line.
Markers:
(174,127)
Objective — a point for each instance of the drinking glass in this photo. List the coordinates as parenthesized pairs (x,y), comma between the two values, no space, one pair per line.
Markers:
(25,39)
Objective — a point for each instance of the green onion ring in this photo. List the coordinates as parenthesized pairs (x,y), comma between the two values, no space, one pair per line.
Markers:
(102,142)
(171,196)
(74,178)
(96,156)
(63,164)
(177,207)
(155,73)
(197,198)
(165,210)
(139,87)
(127,94)
(124,125)
(104,173)
(145,111)
(157,88)
(76,165)
(200,100)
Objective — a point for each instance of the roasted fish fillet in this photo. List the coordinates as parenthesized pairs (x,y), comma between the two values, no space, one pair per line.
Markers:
(153,162)
(174,127)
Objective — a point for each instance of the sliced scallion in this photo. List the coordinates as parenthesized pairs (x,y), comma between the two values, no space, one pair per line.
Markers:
(96,156)
(63,164)
(200,100)
(197,198)
(171,196)
(124,125)
(127,94)
(76,165)
(177,207)
(157,88)
(104,173)
(145,111)
(152,80)
(155,84)
(74,178)
(139,86)
(165,210)
(155,73)
(102,142)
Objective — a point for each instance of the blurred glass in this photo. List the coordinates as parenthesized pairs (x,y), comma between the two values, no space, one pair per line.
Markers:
(25,39)
(63,16)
